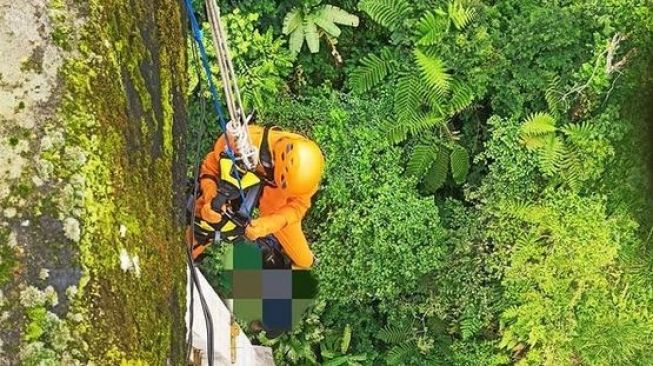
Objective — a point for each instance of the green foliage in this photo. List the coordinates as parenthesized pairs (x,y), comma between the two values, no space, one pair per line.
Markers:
(388,13)
(560,277)
(421,160)
(380,199)
(459,163)
(393,334)
(433,71)
(460,15)
(334,350)
(427,96)
(302,24)
(262,61)
(437,173)
(542,257)
(373,70)
(431,28)
(567,154)
(362,202)
(461,98)
(536,129)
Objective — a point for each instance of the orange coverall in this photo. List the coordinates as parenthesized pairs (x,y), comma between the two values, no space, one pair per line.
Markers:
(280,210)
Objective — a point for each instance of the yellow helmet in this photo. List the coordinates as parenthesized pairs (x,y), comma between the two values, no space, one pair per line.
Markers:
(298,165)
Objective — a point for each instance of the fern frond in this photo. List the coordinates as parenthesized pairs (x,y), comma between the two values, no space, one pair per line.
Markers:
(424,122)
(395,132)
(539,123)
(437,173)
(469,327)
(571,166)
(461,97)
(420,160)
(533,142)
(388,13)
(328,16)
(460,15)
(407,97)
(397,354)
(459,164)
(430,29)
(523,210)
(393,334)
(373,69)
(537,129)
(433,70)
(550,154)
(430,96)
(578,133)
(552,94)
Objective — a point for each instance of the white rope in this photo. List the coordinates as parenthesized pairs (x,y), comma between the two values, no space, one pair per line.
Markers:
(237,126)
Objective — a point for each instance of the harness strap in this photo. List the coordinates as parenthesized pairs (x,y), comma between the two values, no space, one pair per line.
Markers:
(265,155)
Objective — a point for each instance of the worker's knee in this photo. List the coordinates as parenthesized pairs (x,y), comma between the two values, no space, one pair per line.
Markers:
(296,247)
(303,262)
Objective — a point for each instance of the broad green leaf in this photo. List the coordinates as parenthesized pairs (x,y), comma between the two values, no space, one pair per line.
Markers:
(292,21)
(328,26)
(346,338)
(296,40)
(339,16)
(311,34)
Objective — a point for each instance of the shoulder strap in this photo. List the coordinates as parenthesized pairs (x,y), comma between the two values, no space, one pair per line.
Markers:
(265,155)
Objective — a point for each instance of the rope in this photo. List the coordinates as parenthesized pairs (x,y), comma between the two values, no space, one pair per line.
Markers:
(238,125)
(199,39)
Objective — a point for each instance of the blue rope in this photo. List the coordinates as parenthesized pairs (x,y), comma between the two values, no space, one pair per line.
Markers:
(215,98)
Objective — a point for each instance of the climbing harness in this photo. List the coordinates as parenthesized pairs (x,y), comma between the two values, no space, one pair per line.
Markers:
(235,210)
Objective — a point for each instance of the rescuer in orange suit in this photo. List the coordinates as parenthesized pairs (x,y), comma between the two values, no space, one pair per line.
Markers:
(298,164)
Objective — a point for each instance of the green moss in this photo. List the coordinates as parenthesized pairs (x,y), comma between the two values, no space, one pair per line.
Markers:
(8,261)
(35,61)
(22,190)
(124,184)
(61,30)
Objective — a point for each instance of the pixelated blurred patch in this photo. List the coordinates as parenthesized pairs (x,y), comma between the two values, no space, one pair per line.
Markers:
(277,284)
(304,285)
(248,309)
(246,256)
(299,307)
(247,284)
(277,314)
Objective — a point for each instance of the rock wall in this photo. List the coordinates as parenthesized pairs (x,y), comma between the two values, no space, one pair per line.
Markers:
(92,164)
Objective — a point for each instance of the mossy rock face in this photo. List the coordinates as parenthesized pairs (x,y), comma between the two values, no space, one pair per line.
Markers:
(92,138)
